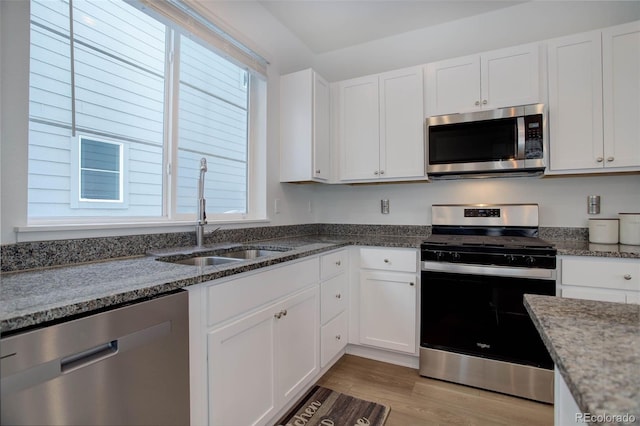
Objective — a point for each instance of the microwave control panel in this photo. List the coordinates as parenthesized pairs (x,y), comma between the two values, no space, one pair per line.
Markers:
(533,136)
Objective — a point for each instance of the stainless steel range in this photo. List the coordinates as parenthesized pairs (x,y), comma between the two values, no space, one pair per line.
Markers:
(476,267)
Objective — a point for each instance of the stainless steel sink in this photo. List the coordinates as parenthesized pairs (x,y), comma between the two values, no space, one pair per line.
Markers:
(206,260)
(246,254)
(221,258)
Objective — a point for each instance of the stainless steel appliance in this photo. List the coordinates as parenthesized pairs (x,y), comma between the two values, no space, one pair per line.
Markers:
(501,142)
(476,267)
(126,366)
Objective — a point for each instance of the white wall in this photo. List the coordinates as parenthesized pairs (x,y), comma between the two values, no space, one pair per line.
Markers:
(562,200)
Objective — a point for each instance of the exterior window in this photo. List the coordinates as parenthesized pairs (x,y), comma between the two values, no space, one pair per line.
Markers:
(121,109)
(100,171)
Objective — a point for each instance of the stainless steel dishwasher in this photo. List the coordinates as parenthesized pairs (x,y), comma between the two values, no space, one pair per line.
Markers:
(126,366)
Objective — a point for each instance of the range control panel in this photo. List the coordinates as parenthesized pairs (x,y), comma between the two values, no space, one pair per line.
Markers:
(481,212)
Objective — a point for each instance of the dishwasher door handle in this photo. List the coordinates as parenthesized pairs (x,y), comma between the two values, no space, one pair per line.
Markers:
(89,356)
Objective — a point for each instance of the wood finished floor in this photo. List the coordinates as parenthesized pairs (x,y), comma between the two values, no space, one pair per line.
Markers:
(416,400)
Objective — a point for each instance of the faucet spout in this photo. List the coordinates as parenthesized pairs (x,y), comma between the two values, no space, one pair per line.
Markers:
(202,215)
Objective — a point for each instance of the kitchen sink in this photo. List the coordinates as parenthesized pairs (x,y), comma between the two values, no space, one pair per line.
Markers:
(223,257)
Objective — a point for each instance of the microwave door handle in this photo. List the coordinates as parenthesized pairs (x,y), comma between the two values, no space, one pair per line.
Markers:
(521,138)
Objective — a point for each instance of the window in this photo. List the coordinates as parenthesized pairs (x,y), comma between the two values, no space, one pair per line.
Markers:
(100,171)
(122,106)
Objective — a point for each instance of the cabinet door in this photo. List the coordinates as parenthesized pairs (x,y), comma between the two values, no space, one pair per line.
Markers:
(296,126)
(359,129)
(453,85)
(333,338)
(575,102)
(510,77)
(388,310)
(321,141)
(297,343)
(621,93)
(241,360)
(401,124)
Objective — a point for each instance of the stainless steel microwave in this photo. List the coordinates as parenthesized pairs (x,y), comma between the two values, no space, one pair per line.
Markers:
(501,142)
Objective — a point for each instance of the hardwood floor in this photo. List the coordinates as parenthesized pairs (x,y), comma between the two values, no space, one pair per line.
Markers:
(416,400)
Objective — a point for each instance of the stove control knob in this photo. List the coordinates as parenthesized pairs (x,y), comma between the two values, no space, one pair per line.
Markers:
(530,260)
(510,258)
(455,256)
(439,255)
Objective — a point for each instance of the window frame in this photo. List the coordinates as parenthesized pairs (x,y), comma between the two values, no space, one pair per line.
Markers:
(255,145)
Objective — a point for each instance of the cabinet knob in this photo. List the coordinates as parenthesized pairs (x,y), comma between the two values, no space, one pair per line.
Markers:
(338,337)
(284,313)
(627,277)
(477,103)
(381,172)
(386,261)
(318,171)
(278,315)
(338,296)
(599,159)
(338,263)
(484,102)
(610,159)
(375,173)
(411,284)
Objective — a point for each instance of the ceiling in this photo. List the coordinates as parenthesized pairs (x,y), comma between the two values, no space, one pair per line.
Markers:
(329,25)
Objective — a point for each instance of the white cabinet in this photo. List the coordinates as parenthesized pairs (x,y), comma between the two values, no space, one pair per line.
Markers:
(261,361)
(333,304)
(565,408)
(496,79)
(254,342)
(594,101)
(604,279)
(381,127)
(304,127)
(388,298)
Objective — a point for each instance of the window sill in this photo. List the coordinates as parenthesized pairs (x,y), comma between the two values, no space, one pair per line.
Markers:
(52,231)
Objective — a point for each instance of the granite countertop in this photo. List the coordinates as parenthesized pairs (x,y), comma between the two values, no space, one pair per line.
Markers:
(596,348)
(30,298)
(585,248)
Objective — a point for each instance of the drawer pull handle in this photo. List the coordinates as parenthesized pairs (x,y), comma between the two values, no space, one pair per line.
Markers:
(338,296)
(282,313)
(627,277)
(338,337)
(386,261)
(411,284)
(338,263)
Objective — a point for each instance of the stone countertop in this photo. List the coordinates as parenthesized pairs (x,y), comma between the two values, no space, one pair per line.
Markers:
(34,297)
(596,348)
(585,248)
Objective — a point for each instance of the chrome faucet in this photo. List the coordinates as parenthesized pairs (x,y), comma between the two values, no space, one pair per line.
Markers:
(202,215)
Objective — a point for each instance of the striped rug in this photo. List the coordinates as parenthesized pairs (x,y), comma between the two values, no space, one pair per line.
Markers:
(324,407)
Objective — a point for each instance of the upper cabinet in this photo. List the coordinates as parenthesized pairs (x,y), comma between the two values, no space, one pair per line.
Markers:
(304,127)
(496,79)
(380,127)
(594,101)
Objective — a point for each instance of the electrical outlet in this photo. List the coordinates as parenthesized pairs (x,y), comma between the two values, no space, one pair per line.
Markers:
(309,208)
(276,206)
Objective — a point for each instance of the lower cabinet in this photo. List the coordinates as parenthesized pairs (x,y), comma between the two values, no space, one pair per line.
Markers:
(565,408)
(257,363)
(604,279)
(388,310)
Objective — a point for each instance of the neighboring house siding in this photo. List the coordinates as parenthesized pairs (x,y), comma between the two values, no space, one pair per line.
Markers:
(120,96)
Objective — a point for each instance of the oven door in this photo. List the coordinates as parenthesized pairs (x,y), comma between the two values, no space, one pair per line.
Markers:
(482,315)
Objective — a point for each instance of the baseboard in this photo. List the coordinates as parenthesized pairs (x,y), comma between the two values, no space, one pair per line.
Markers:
(404,360)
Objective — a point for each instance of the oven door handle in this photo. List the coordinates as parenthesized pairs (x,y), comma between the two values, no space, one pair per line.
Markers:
(496,271)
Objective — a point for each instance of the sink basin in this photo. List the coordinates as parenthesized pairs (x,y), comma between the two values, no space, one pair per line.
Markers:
(206,260)
(248,254)
(221,258)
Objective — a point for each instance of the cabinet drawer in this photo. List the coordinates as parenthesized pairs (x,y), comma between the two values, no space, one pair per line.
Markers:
(389,259)
(333,263)
(237,296)
(589,293)
(333,297)
(333,338)
(620,274)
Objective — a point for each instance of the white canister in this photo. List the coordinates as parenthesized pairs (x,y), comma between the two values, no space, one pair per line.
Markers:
(630,228)
(603,231)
